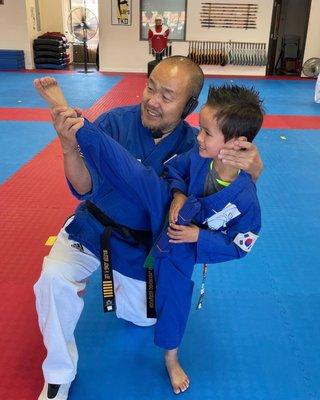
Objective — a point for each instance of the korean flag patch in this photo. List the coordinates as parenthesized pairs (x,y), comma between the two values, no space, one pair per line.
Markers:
(245,241)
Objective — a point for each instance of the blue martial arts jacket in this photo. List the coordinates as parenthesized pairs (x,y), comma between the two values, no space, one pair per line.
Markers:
(187,172)
(124,125)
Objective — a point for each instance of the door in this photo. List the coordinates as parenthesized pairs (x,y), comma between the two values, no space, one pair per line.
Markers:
(274,35)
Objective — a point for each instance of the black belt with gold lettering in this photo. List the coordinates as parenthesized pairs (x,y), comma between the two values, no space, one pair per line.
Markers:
(142,237)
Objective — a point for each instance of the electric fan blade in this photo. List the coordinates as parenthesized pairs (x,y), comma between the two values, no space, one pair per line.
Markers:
(311,67)
(82,23)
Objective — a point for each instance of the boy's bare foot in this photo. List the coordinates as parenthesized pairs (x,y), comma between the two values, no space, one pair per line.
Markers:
(179,380)
(50,91)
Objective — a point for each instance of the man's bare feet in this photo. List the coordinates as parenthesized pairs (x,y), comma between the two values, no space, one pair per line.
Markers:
(50,91)
(179,380)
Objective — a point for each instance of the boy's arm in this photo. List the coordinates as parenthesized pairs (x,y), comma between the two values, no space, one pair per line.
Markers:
(177,174)
(178,201)
(235,242)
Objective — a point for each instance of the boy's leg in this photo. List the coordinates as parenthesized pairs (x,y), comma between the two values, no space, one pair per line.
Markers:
(179,380)
(127,175)
(50,91)
(173,301)
(59,307)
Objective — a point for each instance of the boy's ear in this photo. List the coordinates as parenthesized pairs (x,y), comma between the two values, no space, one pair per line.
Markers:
(242,138)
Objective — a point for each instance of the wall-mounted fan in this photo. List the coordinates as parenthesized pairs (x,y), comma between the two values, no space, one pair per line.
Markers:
(311,67)
(83,25)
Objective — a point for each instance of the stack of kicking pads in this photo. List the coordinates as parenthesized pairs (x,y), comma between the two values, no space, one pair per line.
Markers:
(11,59)
(50,51)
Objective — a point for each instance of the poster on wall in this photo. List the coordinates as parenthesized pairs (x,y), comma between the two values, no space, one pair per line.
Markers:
(121,12)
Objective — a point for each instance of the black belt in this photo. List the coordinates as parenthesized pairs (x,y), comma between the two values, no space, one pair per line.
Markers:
(142,237)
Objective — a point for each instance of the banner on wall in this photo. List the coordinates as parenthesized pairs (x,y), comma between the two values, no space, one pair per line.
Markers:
(121,12)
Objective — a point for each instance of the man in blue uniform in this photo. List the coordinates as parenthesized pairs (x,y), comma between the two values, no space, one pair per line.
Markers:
(169,95)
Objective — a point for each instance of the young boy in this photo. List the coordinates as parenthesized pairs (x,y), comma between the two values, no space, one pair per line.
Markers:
(220,219)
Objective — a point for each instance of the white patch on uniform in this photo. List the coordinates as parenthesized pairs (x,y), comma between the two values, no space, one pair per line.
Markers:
(221,218)
(245,241)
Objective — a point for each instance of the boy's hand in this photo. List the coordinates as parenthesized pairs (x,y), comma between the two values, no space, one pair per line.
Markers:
(182,233)
(243,155)
(177,203)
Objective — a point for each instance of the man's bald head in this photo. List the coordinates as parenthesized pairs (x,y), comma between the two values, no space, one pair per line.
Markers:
(193,71)
(167,97)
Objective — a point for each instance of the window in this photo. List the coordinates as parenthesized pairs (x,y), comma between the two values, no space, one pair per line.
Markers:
(173,13)
(92,5)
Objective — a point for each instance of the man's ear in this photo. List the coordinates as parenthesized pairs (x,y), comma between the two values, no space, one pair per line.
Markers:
(242,138)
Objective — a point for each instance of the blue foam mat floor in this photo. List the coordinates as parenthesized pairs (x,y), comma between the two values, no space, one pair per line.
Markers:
(20,142)
(257,337)
(285,97)
(81,90)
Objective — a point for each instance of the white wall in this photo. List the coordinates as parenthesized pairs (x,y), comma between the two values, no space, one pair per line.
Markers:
(35,28)
(312,48)
(52,15)
(121,50)
(14,28)
(18,25)
(120,47)
(258,35)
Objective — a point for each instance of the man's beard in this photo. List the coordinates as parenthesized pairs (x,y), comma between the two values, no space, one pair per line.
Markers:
(157,133)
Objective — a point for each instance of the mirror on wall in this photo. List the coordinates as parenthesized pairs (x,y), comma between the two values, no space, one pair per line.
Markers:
(173,13)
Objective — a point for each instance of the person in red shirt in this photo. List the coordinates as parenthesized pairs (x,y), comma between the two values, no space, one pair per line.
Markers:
(158,37)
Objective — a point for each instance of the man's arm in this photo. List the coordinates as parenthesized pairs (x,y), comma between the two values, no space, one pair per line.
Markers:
(67,124)
(243,155)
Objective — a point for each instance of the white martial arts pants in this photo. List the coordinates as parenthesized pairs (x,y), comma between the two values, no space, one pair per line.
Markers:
(59,306)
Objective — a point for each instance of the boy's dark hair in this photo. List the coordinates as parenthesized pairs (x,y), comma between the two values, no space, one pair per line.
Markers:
(237,109)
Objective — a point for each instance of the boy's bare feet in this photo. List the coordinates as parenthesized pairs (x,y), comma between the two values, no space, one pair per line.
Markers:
(179,380)
(50,91)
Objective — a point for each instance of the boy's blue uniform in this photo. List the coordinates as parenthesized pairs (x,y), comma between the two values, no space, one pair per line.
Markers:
(230,219)
(124,125)
(228,216)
